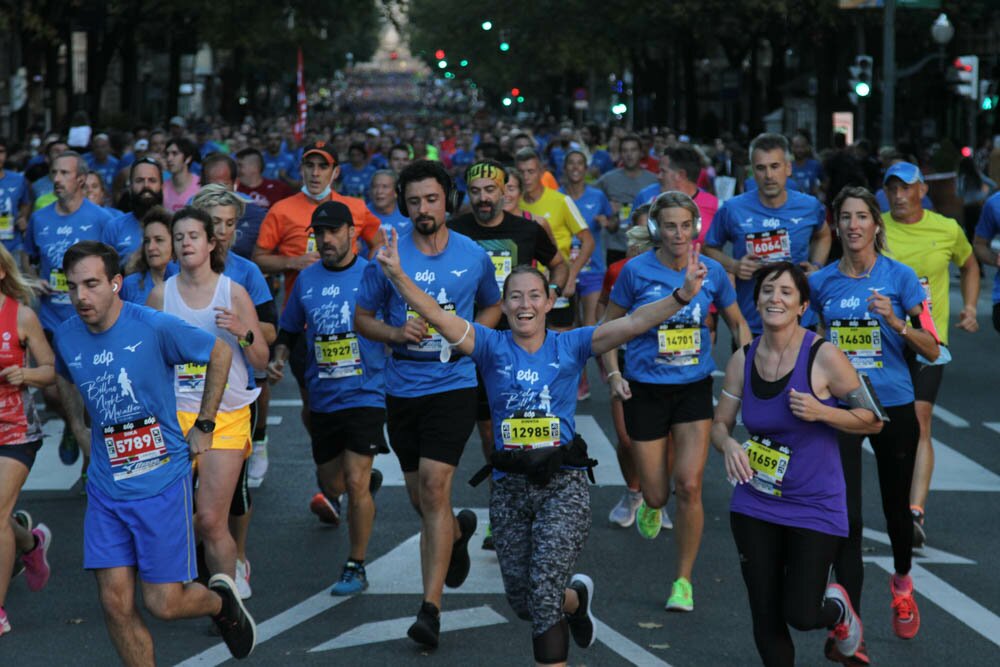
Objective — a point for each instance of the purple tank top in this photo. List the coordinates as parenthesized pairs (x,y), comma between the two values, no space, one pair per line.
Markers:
(802,484)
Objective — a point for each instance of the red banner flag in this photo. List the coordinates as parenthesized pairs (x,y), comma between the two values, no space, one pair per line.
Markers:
(300,82)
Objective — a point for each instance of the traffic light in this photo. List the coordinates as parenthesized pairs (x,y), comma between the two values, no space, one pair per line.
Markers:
(487,25)
(988,95)
(861,78)
(514,92)
(504,43)
(439,54)
(964,76)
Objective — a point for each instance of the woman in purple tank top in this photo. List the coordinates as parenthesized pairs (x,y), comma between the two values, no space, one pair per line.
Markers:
(789,511)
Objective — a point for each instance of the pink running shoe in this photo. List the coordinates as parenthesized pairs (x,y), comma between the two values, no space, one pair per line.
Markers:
(36,561)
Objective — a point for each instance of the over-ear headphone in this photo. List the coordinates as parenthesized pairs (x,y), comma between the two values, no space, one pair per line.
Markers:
(427,169)
(670,199)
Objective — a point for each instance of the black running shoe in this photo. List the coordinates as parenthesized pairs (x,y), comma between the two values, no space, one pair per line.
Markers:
(234,621)
(581,622)
(427,628)
(375,483)
(458,567)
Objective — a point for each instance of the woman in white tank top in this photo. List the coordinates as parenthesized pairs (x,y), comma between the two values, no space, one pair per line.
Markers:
(201,295)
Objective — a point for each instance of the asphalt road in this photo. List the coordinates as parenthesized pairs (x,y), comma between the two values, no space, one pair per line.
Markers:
(295,560)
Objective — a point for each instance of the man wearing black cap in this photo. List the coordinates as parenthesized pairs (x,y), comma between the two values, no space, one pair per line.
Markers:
(344,374)
(286,242)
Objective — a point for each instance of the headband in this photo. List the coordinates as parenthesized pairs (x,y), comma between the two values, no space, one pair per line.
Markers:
(486,170)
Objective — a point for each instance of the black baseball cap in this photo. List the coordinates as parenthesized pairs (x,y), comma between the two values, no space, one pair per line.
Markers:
(332,214)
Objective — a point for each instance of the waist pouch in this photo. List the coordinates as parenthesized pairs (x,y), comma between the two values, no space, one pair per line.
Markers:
(538,465)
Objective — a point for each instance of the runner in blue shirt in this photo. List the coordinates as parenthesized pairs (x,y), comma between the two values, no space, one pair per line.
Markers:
(356,173)
(15,204)
(431,393)
(539,507)
(101,160)
(864,302)
(145,190)
(345,377)
(667,388)
(138,518)
(987,252)
(278,165)
(153,264)
(770,224)
(50,232)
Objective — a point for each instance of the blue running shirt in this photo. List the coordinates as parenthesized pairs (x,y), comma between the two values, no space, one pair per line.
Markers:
(678,350)
(126,378)
(460,278)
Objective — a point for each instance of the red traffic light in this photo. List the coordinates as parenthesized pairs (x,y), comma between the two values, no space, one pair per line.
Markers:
(439,54)
(958,64)
(515,91)
(966,151)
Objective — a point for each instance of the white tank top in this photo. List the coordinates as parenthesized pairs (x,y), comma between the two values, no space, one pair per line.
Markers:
(189,379)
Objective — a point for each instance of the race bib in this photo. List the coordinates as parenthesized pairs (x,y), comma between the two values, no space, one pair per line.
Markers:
(189,378)
(135,448)
(561,302)
(530,430)
(769,461)
(502,265)
(433,341)
(926,284)
(860,340)
(6,227)
(771,246)
(337,355)
(311,243)
(57,281)
(678,344)
(624,215)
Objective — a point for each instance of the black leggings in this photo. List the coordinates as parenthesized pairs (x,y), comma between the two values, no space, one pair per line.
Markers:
(785,570)
(895,451)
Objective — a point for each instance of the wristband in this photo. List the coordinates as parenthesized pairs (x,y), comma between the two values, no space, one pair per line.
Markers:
(555,288)
(677,295)
(608,376)
(904,330)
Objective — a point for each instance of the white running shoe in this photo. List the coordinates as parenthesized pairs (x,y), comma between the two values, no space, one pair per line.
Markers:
(665,521)
(623,513)
(257,466)
(847,632)
(243,579)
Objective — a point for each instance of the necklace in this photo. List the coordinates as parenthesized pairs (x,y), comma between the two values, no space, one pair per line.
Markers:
(845,268)
(777,366)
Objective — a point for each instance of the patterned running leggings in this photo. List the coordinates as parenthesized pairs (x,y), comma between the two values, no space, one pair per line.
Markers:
(538,532)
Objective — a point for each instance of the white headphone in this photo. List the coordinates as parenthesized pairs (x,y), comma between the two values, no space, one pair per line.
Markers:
(114,288)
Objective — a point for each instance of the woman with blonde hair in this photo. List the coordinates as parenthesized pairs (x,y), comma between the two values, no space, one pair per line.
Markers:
(20,429)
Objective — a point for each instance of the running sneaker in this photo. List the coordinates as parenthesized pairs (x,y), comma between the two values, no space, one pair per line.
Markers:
(24,519)
(488,544)
(859,658)
(69,450)
(458,567)
(4,622)
(848,632)
(623,513)
(583,389)
(681,596)
(233,621)
(352,580)
(427,628)
(36,561)
(905,615)
(243,579)
(647,520)
(665,521)
(581,622)
(327,510)
(257,465)
(919,534)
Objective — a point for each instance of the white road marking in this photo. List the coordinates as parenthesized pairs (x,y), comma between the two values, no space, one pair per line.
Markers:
(954,471)
(993,426)
(49,473)
(377,632)
(600,448)
(274,420)
(286,402)
(949,417)
(625,647)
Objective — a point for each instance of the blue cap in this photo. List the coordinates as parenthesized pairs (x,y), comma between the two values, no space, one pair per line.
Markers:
(904,171)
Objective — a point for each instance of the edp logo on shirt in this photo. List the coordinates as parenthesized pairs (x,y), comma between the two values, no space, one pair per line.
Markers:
(424,277)
(104,358)
(331,290)
(529,376)
(853,302)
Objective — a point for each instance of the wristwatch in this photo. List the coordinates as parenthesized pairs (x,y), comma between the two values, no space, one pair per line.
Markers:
(247,339)
(204,425)
(555,288)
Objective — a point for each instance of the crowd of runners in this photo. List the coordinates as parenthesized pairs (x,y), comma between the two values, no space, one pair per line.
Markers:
(425,280)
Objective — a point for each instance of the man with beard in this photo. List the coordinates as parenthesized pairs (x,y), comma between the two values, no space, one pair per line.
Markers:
(145,190)
(50,232)
(509,240)
(346,382)
(621,186)
(431,392)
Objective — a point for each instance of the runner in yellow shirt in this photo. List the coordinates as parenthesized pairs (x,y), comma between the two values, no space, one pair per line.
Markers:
(928,242)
